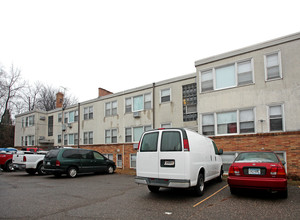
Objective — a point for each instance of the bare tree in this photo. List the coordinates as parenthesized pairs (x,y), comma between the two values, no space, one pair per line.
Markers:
(11,85)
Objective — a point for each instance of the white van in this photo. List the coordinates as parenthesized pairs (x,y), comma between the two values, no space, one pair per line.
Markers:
(177,158)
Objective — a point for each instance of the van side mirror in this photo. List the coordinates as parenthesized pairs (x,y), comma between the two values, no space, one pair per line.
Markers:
(220,151)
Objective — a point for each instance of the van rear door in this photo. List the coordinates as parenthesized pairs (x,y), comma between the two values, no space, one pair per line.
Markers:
(171,155)
(147,156)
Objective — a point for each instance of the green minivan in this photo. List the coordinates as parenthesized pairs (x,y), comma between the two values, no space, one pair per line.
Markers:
(72,161)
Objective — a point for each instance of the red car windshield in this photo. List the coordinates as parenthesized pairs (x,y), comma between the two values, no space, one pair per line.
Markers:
(258,157)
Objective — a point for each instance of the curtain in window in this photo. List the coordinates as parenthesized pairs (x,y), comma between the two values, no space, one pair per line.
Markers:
(207,81)
(208,119)
(275,111)
(225,77)
(244,72)
(226,118)
(138,103)
(246,115)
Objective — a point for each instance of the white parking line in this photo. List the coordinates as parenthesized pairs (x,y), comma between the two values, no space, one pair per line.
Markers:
(209,196)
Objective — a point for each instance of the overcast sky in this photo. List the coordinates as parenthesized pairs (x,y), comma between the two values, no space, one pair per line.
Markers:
(123,44)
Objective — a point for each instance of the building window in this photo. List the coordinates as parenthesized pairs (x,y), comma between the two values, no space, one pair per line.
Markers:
(138,103)
(225,77)
(189,95)
(207,82)
(137,133)
(147,101)
(65,139)
(88,137)
(275,117)
(133,161)
(59,138)
(119,160)
(22,141)
(247,121)
(50,126)
(26,141)
(66,118)
(273,66)
(111,108)
(165,95)
(208,124)
(244,72)
(111,136)
(128,105)
(227,123)
(59,119)
(235,74)
(29,121)
(71,116)
(128,135)
(30,140)
(88,113)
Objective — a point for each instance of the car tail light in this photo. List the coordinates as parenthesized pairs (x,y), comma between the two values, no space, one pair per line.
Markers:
(186,145)
(57,163)
(24,159)
(139,146)
(234,171)
(278,172)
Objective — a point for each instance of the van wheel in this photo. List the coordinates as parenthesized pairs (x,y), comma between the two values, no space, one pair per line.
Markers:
(153,189)
(72,172)
(40,169)
(110,170)
(199,188)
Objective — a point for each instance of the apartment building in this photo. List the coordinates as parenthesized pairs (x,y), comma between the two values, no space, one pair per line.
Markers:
(247,99)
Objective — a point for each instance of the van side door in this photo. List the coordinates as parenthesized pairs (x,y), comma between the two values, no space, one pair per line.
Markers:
(99,162)
(147,156)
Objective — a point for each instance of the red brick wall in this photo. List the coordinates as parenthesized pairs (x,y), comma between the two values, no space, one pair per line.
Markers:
(285,141)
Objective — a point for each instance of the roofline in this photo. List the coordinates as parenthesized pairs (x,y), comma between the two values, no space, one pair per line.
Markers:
(266,44)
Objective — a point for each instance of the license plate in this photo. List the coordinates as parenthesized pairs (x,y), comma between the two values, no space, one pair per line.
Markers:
(169,163)
(254,171)
(48,163)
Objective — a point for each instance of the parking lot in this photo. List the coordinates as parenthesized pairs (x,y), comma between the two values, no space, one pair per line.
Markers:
(117,197)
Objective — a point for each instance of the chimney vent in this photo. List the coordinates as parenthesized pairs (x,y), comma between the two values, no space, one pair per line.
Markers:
(103,92)
(59,100)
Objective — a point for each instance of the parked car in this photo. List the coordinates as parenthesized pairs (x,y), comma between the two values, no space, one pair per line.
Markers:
(6,155)
(177,158)
(72,161)
(29,161)
(258,170)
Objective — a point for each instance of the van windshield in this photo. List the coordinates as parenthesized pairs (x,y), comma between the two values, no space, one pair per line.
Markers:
(171,141)
(149,142)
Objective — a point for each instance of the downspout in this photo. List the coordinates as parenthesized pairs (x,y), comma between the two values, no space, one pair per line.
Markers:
(123,159)
(153,109)
(78,132)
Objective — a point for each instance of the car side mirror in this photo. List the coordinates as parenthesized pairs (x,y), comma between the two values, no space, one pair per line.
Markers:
(220,151)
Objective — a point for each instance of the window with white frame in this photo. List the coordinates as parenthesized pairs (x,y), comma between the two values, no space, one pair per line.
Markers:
(128,105)
(138,103)
(59,117)
(30,140)
(132,160)
(128,135)
(147,101)
(65,139)
(276,118)
(29,121)
(247,121)
(111,136)
(244,72)
(233,122)
(59,138)
(88,137)
(165,95)
(138,131)
(111,108)
(207,83)
(208,124)
(227,123)
(119,160)
(273,66)
(88,113)
(71,139)
(235,74)
(71,116)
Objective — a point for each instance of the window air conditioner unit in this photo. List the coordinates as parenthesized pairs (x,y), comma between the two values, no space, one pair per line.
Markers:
(42,118)
(42,138)
(64,127)
(136,114)
(69,125)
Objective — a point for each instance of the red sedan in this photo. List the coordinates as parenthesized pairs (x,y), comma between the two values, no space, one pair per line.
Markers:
(258,170)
